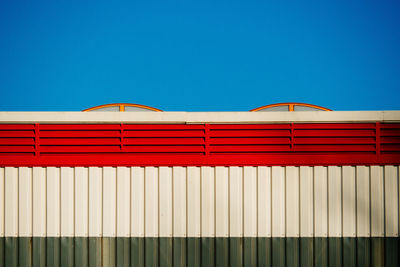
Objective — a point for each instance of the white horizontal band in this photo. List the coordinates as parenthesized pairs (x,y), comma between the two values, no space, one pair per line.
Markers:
(199,117)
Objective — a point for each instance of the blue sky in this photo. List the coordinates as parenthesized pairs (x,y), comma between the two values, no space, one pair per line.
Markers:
(199,55)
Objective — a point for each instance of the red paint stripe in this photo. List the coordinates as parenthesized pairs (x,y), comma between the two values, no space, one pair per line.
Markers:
(196,160)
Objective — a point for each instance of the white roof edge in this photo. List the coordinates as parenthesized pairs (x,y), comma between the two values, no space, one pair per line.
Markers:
(199,117)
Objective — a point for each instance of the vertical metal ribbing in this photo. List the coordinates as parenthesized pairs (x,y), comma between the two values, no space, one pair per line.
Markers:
(354,201)
(377,216)
(39,216)
(67,217)
(2,217)
(321,224)
(363,217)
(391,215)
(95,215)
(123,216)
(349,215)
(278,216)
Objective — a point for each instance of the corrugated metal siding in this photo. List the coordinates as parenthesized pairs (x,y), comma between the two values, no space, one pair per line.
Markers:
(199,216)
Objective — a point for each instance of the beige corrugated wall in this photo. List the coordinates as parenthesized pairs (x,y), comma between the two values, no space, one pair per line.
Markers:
(334,201)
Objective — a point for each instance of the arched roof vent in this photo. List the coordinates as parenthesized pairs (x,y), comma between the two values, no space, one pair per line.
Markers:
(292,106)
(121,107)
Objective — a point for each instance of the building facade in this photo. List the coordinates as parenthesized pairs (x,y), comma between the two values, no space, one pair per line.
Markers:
(299,188)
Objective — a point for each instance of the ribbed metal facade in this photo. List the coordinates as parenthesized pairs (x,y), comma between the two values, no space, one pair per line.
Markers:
(199,216)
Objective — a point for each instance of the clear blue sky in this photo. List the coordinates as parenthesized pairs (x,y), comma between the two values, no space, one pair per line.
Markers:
(199,55)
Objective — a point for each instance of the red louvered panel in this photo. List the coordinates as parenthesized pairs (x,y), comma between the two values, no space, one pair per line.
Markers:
(79,141)
(184,127)
(16,149)
(390,140)
(249,126)
(164,149)
(228,144)
(163,141)
(394,147)
(79,149)
(334,141)
(250,148)
(70,134)
(88,127)
(390,132)
(390,125)
(333,148)
(250,141)
(17,157)
(17,141)
(9,133)
(248,133)
(334,133)
(169,133)
(334,126)
(17,127)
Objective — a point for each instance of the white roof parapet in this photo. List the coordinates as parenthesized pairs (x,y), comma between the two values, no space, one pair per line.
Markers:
(199,117)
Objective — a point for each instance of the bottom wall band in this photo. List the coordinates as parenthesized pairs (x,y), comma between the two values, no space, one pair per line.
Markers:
(164,251)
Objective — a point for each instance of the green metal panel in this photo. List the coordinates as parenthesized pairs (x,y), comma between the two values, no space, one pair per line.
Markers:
(67,251)
(137,252)
(1,251)
(179,251)
(108,253)
(53,251)
(39,252)
(123,252)
(321,251)
(151,251)
(25,251)
(207,252)
(363,252)
(250,251)
(278,252)
(95,251)
(81,251)
(166,257)
(194,252)
(292,251)
(306,251)
(11,251)
(221,251)
(235,251)
(264,251)
(349,251)
(377,251)
(392,251)
(335,251)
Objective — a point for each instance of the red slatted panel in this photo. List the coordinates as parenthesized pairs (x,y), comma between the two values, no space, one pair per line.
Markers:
(390,139)
(335,138)
(163,139)
(16,140)
(251,141)
(224,144)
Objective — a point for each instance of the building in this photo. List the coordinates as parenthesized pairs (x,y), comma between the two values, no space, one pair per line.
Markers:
(303,188)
